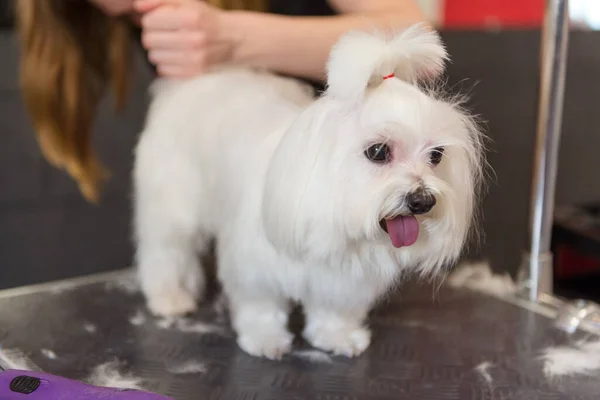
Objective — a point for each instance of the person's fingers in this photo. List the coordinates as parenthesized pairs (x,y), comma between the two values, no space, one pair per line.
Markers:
(172,17)
(166,18)
(165,57)
(170,70)
(173,32)
(174,57)
(178,71)
(175,40)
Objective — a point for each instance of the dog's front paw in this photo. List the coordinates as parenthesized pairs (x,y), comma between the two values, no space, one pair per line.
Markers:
(269,343)
(174,294)
(340,339)
(172,303)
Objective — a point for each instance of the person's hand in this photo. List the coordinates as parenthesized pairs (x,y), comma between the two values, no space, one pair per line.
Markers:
(183,37)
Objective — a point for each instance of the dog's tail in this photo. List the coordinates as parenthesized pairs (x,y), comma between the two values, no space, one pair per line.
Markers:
(360,60)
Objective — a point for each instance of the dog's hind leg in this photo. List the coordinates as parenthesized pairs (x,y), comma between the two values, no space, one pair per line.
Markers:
(169,203)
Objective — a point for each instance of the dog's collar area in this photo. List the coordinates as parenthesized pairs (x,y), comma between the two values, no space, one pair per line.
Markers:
(392,75)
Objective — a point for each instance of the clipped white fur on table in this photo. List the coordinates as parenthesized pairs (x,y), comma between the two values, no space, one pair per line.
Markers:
(484,370)
(582,358)
(49,354)
(109,374)
(189,326)
(478,276)
(138,319)
(188,367)
(316,356)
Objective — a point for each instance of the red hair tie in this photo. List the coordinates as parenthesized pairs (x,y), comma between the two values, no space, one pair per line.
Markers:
(389,76)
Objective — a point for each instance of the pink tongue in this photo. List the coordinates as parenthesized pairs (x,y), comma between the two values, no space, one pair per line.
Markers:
(403,231)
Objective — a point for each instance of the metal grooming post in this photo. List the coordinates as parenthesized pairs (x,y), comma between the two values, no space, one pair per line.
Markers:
(536,272)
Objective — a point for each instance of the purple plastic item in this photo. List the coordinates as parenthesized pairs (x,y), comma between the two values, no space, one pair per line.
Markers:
(14,385)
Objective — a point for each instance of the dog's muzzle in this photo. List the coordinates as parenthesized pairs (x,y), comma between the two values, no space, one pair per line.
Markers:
(420,201)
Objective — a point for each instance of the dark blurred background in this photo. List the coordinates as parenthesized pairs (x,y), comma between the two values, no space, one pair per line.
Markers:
(48,232)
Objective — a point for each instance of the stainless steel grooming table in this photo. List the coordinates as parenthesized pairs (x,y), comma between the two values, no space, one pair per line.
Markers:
(427,344)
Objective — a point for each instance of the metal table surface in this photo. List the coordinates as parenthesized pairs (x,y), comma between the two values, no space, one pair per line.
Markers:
(428,343)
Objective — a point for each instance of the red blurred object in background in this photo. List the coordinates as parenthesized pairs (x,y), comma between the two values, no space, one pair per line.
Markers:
(572,263)
(478,14)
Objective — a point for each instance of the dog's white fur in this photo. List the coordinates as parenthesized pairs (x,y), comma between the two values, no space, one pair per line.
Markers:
(282,182)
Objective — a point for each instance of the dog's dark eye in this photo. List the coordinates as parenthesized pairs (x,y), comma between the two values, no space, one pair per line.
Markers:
(378,153)
(435,157)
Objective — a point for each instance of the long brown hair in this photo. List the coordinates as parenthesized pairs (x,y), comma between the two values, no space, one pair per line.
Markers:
(71,53)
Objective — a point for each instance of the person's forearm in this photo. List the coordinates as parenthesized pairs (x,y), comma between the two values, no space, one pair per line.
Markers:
(299,46)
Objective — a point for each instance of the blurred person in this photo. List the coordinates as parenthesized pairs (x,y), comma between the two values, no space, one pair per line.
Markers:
(72,51)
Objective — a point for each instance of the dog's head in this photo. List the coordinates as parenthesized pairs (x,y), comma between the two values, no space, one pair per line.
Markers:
(378,161)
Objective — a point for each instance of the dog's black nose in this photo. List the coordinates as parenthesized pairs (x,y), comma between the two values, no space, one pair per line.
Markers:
(420,201)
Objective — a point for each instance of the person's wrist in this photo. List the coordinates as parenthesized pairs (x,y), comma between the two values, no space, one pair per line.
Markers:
(232,26)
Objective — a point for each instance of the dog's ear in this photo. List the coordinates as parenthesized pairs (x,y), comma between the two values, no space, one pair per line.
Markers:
(360,59)
(300,202)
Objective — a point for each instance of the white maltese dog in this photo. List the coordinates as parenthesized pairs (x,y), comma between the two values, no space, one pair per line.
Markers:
(324,203)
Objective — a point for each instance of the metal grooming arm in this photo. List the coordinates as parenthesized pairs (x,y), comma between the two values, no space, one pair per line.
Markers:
(535,278)
(535,275)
